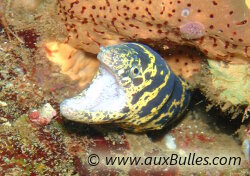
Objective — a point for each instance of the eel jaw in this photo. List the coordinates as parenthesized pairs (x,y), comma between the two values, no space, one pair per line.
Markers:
(103,96)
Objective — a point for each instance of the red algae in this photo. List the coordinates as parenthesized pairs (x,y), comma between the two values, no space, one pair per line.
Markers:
(22,151)
(29,37)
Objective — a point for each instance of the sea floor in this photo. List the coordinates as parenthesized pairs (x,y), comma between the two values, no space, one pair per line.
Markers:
(28,81)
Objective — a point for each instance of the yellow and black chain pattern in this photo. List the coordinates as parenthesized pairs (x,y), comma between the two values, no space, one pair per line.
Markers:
(154,94)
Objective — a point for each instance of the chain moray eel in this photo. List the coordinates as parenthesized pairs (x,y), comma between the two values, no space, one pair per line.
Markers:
(134,88)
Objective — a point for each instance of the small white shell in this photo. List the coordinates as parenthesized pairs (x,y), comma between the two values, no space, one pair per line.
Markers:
(185,12)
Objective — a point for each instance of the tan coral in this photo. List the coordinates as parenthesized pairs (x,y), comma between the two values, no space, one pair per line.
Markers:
(221,26)
(72,62)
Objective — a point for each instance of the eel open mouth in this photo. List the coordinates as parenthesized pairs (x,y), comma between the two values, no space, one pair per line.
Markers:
(104,95)
(134,89)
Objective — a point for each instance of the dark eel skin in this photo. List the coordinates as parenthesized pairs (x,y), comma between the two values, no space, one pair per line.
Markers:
(148,94)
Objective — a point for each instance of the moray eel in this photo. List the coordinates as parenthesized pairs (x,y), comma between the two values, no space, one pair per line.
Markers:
(134,88)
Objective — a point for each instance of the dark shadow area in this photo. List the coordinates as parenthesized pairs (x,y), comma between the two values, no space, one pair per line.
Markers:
(218,121)
(223,120)
(91,131)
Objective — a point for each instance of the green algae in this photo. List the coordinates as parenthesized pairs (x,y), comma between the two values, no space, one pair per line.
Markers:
(232,80)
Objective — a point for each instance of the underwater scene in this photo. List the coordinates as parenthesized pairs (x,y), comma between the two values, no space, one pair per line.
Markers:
(124,87)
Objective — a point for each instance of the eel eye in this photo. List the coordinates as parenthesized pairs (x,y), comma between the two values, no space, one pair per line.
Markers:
(134,71)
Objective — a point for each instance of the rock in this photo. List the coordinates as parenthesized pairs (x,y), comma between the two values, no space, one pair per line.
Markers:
(246,149)
(43,115)
(170,142)
(2,103)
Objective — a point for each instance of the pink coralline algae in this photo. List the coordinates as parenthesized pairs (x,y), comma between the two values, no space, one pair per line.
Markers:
(42,116)
(192,30)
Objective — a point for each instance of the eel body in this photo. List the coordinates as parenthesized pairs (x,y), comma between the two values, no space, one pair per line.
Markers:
(134,88)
